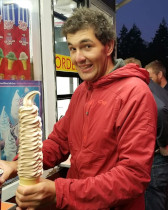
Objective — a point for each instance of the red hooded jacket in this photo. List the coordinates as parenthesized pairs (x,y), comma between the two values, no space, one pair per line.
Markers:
(110,131)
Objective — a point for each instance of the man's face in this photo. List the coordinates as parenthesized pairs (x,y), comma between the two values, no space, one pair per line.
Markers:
(154,76)
(88,54)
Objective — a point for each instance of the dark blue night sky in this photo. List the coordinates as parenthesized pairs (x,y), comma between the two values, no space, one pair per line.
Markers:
(146,14)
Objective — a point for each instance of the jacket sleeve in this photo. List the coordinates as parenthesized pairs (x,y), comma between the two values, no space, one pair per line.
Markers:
(136,135)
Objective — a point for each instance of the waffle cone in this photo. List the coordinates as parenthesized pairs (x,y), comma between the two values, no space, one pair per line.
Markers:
(28,181)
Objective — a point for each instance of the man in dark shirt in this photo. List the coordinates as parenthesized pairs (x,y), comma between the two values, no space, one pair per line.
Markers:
(157,72)
(156,193)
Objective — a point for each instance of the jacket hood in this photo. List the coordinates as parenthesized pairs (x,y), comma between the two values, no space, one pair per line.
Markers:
(123,71)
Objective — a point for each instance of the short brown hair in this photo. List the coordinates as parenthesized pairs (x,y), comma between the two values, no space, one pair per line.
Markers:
(133,60)
(84,18)
(157,66)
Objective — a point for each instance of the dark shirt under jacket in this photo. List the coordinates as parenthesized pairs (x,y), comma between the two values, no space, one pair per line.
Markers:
(156,195)
(161,98)
(166,87)
(159,91)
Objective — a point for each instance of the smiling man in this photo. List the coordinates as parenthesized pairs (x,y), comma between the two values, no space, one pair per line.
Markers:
(91,58)
(109,128)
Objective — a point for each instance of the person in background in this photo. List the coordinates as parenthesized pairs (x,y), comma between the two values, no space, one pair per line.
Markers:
(156,197)
(156,193)
(133,60)
(157,72)
(109,128)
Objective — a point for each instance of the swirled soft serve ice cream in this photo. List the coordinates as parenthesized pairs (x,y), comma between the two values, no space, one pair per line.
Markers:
(30,142)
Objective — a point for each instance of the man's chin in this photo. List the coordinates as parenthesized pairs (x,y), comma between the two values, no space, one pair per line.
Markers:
(87,77)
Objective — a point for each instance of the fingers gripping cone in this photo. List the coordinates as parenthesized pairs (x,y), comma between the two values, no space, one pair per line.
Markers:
(30,142)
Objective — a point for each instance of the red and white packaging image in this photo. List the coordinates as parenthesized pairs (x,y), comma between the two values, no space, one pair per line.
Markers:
(16,48)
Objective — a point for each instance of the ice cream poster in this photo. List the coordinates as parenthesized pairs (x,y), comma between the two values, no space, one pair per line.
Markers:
(14,42)
(12,94)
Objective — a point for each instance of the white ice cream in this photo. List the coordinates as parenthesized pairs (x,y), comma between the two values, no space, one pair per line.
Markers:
(30,139)
(10,147)
(15,106)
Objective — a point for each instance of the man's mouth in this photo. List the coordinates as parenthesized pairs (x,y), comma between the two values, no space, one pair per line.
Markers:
(85,68)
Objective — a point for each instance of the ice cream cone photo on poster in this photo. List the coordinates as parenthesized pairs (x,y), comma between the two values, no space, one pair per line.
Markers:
(23,57)
(11,59)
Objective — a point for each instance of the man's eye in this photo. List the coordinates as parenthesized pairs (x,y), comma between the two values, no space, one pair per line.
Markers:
(72,49)
(87,46)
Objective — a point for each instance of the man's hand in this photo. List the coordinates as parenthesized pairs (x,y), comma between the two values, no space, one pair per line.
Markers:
(36,196)
(9,170)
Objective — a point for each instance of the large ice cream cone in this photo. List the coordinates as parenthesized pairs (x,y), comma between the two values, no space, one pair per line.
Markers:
(28,181)
(30,166)
(24,62)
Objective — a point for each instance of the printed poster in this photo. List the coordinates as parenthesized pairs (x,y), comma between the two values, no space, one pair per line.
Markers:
(14,42)
(12,94)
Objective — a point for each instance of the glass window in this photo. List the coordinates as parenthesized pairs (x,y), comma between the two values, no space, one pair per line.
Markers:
(61,46)
(66,85)
(62,107)
(66,75)
(64,7)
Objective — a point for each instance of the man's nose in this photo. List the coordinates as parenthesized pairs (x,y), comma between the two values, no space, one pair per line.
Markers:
(79,57)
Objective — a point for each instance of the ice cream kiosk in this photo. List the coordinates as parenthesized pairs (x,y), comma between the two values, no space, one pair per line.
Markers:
(34,57)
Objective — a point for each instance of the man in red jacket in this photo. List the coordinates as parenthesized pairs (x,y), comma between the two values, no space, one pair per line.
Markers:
(109,128)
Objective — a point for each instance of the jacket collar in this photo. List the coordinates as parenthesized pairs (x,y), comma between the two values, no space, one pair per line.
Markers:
(120,71)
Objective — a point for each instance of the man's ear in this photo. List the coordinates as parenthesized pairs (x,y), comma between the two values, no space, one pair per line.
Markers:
(110,47)
(160,74)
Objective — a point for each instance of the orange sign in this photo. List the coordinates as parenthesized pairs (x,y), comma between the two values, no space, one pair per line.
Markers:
(64,63)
